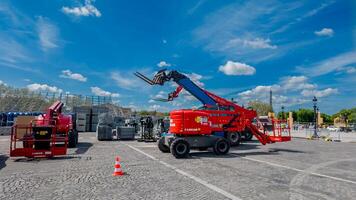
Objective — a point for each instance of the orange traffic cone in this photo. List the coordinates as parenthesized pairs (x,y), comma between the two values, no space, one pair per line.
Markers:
(117,170)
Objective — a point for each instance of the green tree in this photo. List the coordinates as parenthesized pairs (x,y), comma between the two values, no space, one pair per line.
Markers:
(286,115)
(348,115)
(305,115)
(327,119)
(260,107)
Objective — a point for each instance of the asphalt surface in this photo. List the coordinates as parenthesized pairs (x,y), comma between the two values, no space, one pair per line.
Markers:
(300,169)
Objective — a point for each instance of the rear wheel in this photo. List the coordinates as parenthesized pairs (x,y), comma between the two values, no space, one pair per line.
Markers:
(72,141)
(248,135)
(76,137)
(180,148)
(161,146)
(234,138)
(221,146)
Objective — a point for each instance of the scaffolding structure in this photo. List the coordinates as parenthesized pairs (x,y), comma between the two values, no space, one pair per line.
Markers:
(22,100)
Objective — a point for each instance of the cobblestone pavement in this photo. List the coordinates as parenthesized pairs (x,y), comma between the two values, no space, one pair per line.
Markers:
(300,169)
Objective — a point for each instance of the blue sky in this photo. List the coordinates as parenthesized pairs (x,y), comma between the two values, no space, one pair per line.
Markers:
(236,49)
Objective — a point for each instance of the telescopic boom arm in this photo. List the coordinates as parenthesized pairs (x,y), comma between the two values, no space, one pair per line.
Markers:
(183,82)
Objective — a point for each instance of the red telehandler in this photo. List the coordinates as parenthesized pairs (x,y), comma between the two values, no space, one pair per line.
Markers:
(48,135)
(217,124)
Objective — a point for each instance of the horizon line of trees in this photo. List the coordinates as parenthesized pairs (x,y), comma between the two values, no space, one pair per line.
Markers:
(305,115)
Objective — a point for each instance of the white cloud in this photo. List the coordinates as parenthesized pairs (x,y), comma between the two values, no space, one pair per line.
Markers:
(259,92)
(259,43)
(236,68)
(47,33)
(154,107)
(127,81)
(12,51)
(196,78)
(290,91)
(43,87)
(88,9)
(350,70)
(319,93)
(2,83)
(159,108)
(161,95)
(244,30)
(304,16)
(100,92)
(151,101)
(164,41)
(325,32)
(163,64)
(329,65)
(347,69)
(295,83)
(75,76)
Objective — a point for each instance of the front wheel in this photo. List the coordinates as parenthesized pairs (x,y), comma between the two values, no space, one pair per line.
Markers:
(221,146)
(161,146)
(180,148)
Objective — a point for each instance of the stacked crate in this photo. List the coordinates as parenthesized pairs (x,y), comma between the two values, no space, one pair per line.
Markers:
(96,111)
(83,116)
(81,122)
(87,117)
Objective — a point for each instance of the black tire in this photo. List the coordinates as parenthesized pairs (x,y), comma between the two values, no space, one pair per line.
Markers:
(76,137)
(221,146)
(71,139)
(234,138)
(162,147)
(180,148)
(248,135)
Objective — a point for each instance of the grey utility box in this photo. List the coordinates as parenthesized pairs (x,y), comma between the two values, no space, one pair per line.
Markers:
(126,133)
(104,132)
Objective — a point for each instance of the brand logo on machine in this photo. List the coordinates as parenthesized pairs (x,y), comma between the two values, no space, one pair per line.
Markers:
(192,129)
(201,119)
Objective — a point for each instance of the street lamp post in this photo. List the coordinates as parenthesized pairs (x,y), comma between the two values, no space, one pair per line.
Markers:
(315,117)
(282,112)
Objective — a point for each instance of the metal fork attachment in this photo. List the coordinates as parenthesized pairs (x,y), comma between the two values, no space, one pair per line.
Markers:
(159,79)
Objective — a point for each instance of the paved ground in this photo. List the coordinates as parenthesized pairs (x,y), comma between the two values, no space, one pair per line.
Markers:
(301,169)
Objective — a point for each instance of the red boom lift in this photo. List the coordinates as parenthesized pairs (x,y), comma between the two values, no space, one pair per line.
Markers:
(48,135)
(217,124)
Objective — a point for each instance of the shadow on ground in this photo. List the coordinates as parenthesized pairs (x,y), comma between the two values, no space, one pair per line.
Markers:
(286,150)
(46,159)
(83,147)
(3,159)
(246,146)
(209,154)
(272,151)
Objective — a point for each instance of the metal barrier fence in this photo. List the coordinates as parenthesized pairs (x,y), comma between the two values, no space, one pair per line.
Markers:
(21,100)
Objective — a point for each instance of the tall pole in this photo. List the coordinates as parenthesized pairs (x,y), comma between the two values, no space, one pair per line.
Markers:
(282,112)
(270,100)
(315,117)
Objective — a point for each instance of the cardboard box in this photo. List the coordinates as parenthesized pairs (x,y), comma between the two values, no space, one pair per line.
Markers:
(23,121)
